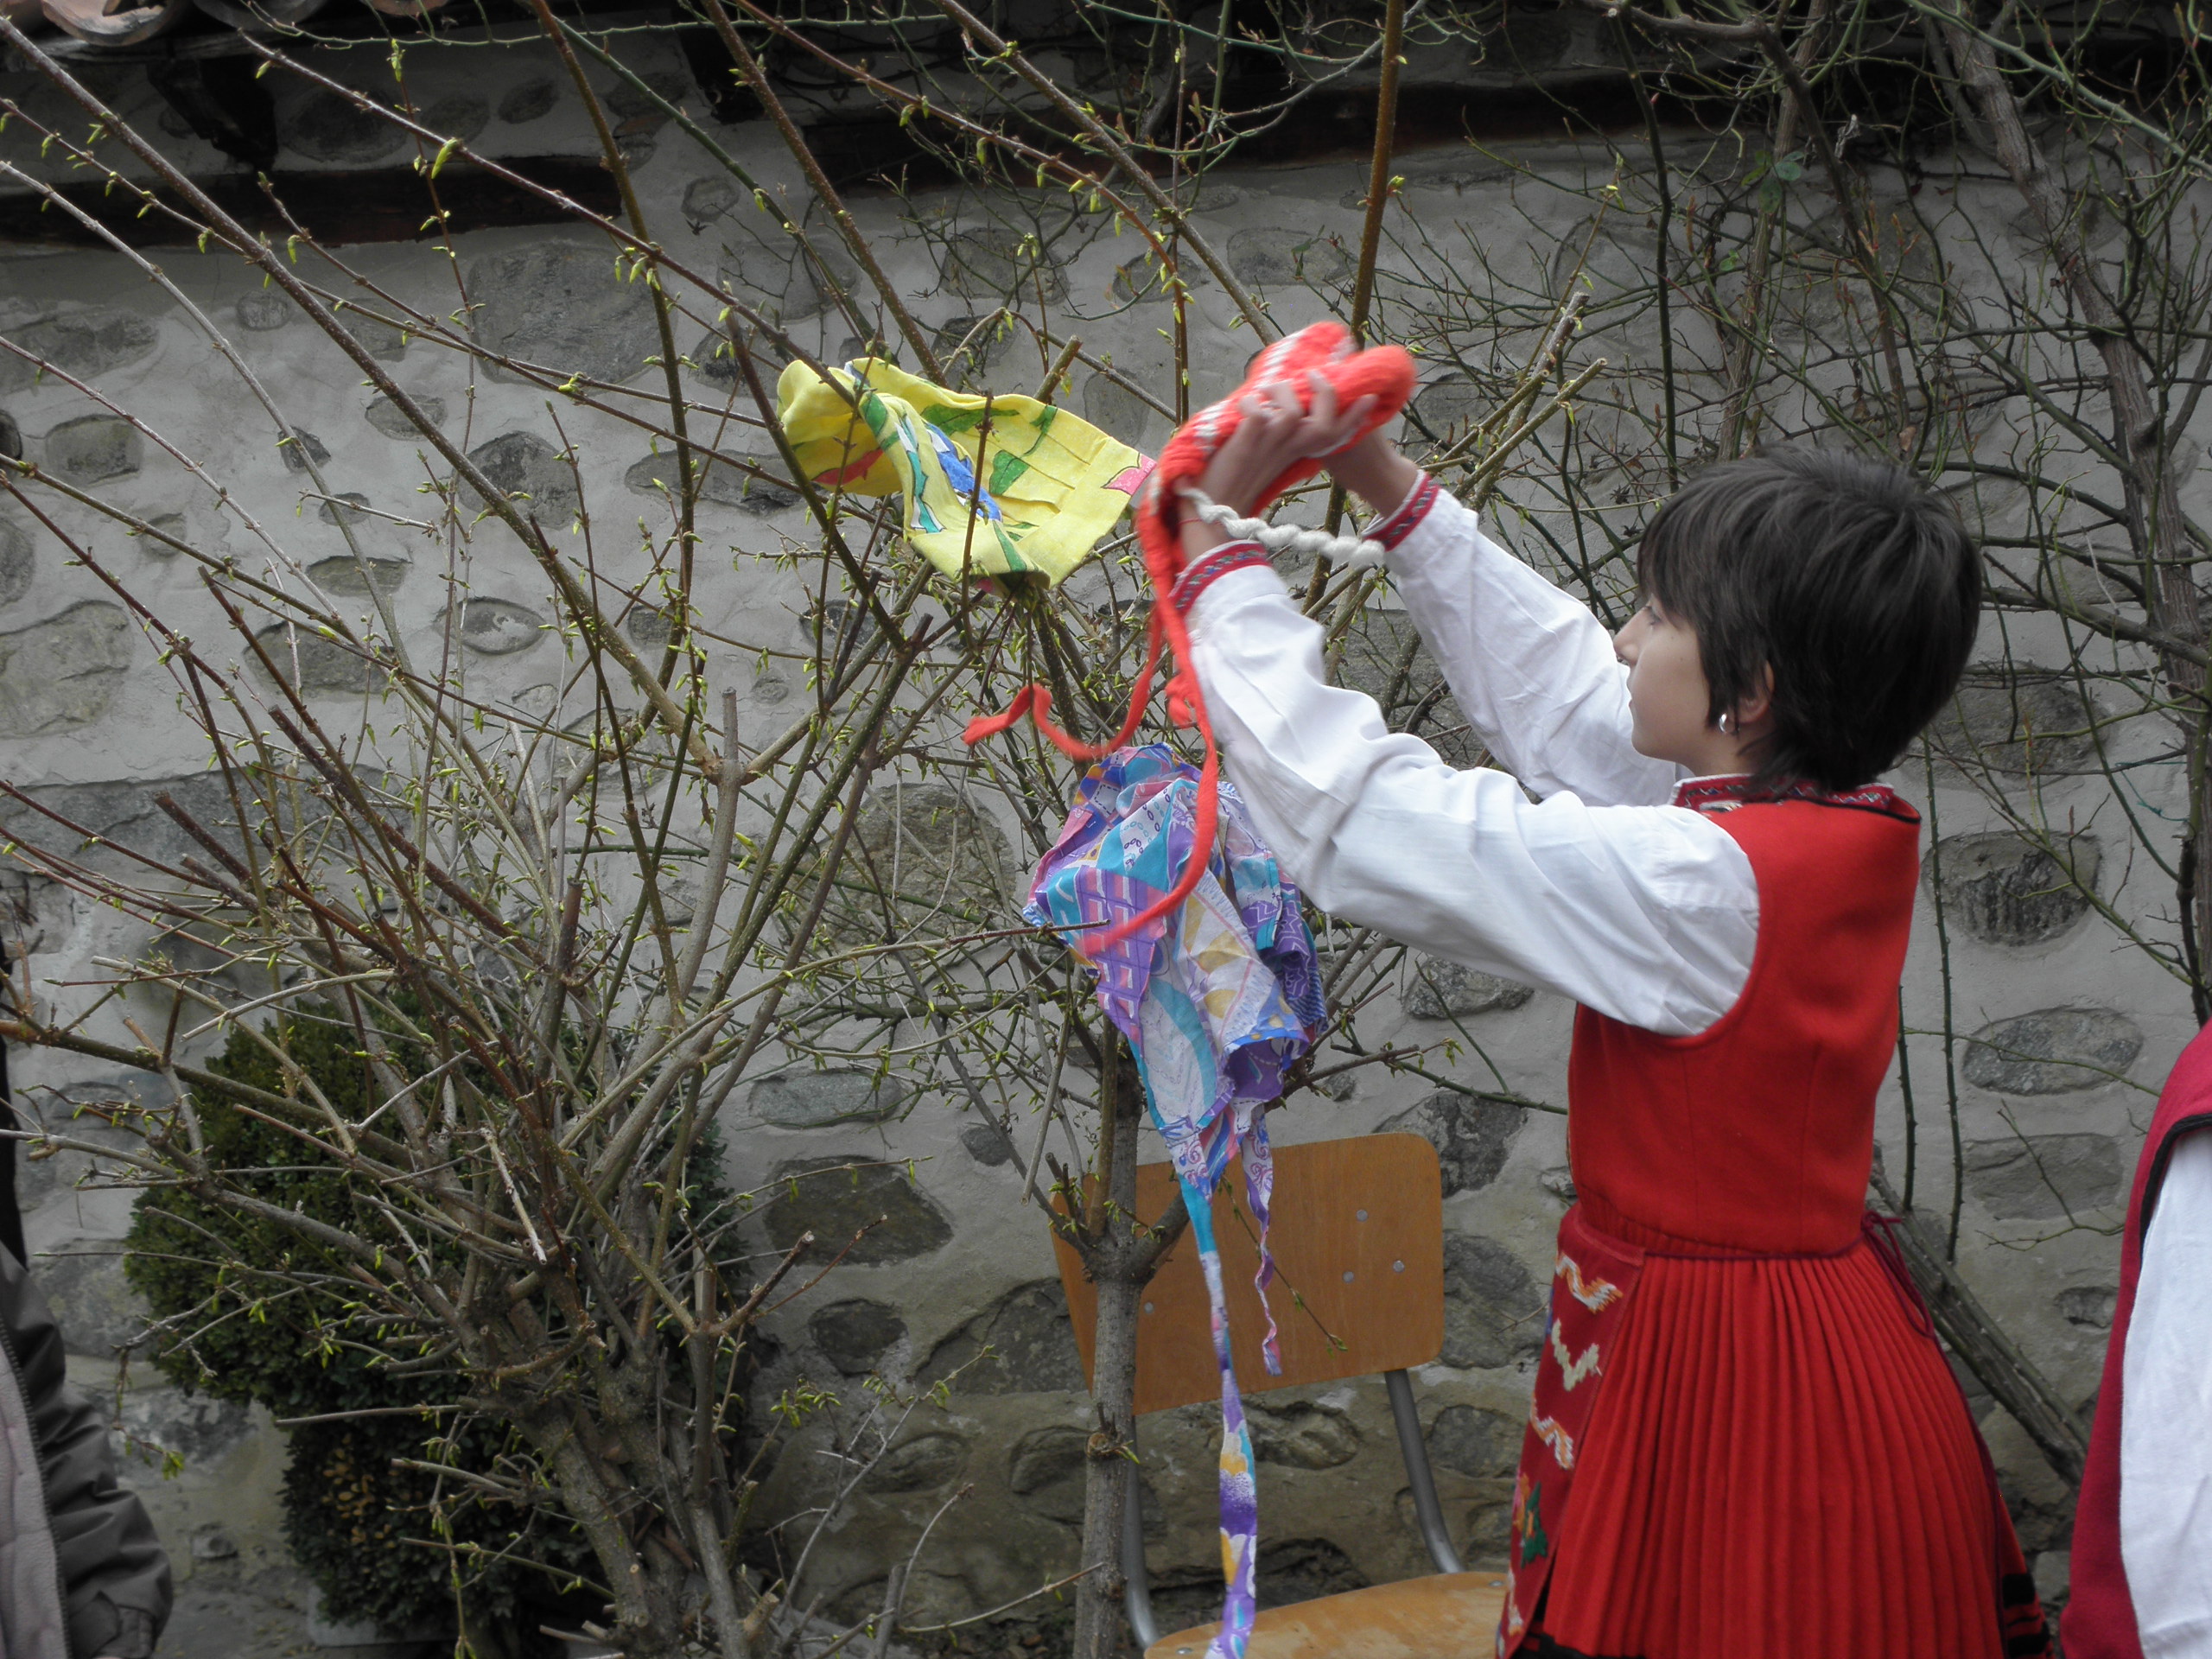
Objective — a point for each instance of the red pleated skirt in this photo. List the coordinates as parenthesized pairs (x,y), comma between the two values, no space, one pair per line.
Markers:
(1779,1466)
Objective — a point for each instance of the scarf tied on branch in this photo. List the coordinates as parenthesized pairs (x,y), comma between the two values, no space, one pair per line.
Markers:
(1217,996)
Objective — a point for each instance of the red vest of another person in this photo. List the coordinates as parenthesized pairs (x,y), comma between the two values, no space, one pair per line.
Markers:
(1757,1134)
(2100,1618)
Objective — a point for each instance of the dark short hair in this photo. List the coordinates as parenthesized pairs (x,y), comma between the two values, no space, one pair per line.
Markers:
(1852,578)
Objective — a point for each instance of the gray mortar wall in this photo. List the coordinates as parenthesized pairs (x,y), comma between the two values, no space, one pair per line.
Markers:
(84,708)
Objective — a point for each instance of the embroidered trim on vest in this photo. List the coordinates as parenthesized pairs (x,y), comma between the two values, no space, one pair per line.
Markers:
(1726,794)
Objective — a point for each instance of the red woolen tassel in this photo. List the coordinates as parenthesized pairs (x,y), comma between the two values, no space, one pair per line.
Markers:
(1385,373)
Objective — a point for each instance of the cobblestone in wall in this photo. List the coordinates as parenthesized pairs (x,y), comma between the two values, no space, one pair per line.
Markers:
(988,1144)
(816,1100)
(920,850)
(94,448)
(316,664)
(992,261)
(2017,724)
(927,1463)
(531,100)
(393,420)
(1493,1306)
(531,473)
(299,451)
(751,487)
(84,341)
(2038,1177)
(63,673)
(2005,889)
(1471,1136)
(1474,1441)
(1446,990)
(561,304)
(327,126)
(1022,1344)
(885,1214)
(2091,1305)
(2053,1051)
(1304,1435)
(857,1335)
(124,812)
(491,627)
(1047,1472)
(17,562)
(35,912)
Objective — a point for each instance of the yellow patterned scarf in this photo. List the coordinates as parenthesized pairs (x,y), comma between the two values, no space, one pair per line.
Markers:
(1052,485)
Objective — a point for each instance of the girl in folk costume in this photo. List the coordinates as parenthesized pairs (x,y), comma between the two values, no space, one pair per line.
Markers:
(1744,1442)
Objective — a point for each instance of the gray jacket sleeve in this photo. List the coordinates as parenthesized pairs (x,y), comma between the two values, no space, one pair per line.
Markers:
(115,1575)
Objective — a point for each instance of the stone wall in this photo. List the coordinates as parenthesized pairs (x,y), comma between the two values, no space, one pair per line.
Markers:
(2068,1028)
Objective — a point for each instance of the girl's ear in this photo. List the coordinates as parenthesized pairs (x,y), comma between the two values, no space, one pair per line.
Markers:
(1758,702)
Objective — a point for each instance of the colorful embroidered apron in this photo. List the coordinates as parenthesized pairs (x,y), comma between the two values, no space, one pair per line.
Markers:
(1592,1280)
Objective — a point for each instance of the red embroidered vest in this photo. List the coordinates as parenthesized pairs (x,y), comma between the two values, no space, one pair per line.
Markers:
(1757,1134)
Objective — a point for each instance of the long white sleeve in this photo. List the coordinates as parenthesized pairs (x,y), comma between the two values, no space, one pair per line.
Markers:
(1647,913)
(2165,1450)
(1532,669)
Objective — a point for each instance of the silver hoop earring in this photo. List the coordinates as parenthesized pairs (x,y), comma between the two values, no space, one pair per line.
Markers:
(1725,729)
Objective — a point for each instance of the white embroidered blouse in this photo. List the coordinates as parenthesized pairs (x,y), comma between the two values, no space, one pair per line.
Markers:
(1600,889)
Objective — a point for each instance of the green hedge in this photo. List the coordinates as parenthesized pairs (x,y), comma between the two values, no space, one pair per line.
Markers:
(348,1513)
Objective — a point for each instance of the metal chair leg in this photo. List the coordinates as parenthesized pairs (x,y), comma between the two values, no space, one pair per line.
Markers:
(1137,1590)
(1414,1450)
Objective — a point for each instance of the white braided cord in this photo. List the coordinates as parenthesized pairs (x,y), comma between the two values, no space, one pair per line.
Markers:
(1348,551)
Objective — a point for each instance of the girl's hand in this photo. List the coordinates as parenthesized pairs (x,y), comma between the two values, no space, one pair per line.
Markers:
(1274,435)
(1373,470)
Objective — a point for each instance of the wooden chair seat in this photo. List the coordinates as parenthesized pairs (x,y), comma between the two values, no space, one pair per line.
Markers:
(1447,1616)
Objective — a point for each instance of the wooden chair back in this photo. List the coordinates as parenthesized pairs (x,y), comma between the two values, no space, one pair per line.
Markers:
(1357,1237)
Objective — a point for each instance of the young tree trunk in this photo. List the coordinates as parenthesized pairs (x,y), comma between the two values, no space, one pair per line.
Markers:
(1121,1254)
(1113,1263)
(1098,1613)
(649,1596)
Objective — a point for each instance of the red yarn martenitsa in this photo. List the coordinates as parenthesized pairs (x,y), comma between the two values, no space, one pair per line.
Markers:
(1382,372)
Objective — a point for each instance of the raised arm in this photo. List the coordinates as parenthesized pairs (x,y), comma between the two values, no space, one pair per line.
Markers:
(1533,668)
(1647,913)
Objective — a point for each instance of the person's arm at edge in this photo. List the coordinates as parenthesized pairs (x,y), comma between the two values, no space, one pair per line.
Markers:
(2165,1511)
(115,1574)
